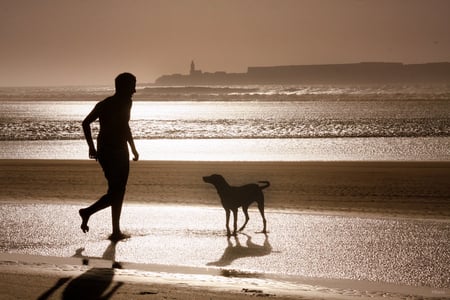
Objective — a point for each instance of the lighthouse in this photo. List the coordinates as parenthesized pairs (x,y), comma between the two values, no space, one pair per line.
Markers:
(193,71)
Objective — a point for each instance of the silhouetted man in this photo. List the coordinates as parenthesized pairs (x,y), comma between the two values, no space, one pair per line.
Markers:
(112,150)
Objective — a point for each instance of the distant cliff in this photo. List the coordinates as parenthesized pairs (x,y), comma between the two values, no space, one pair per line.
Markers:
(358,73)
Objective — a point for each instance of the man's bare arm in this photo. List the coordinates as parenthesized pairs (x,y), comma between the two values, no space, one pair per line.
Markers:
(87,133)
(133,147)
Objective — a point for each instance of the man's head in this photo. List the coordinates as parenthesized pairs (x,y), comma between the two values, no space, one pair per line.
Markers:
(125,84)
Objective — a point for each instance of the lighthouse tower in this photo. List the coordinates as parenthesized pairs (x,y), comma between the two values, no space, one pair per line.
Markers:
(193,71)
(192,68)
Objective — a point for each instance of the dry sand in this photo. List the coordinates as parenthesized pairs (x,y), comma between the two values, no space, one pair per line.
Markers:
(402,189)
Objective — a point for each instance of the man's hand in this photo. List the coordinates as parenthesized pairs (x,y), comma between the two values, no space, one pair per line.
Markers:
(136,155)
(92,153)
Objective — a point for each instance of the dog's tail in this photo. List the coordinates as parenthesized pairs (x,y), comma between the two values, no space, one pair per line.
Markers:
(266,184)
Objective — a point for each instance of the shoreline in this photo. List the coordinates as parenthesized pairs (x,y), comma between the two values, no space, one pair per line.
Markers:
(312,149)
(26,276)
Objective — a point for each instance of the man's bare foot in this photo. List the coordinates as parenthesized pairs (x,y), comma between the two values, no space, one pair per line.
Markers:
(84,220)
(115,237)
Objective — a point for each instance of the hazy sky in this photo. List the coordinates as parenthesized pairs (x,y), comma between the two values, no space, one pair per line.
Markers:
(71,42)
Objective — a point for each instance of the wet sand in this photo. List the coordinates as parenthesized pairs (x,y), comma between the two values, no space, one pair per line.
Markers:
(393,190)
(46,279)
(80,282)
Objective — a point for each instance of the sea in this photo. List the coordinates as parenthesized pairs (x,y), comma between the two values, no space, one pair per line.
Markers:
(398,122)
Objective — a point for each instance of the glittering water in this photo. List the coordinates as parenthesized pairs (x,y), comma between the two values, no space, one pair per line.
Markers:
(181,120)
(279,115)
(308,149)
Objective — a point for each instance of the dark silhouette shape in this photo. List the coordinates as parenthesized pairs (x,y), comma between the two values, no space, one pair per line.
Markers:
(79,254)
(58,284)
(233,197)
(112,150)
(233,252)
(96,281)
(365,72)
(109,254)
(93,283)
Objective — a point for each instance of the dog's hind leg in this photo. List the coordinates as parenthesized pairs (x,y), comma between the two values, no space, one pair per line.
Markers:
(245,210)
(261,210)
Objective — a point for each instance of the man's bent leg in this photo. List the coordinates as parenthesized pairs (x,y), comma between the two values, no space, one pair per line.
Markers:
(102,203)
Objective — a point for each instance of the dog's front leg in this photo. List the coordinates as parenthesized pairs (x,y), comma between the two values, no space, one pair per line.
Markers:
(235,221)
(227,213)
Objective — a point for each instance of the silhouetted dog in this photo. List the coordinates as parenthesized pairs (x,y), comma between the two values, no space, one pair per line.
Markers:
(233,197)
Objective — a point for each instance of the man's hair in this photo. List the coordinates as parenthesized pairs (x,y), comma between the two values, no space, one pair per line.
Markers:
(124,80)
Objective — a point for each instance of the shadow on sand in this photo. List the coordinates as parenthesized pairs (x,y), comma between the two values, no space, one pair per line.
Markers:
(236,251)
(95,283)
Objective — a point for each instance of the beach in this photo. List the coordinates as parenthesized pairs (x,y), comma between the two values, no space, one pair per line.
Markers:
(73,282)
(406,189)
(333,115)
(305,202)
(70,280)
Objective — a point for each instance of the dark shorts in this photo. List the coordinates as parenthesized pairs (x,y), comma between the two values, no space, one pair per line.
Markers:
(116,167)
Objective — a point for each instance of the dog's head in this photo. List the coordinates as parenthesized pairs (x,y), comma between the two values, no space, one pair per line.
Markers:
(213,179)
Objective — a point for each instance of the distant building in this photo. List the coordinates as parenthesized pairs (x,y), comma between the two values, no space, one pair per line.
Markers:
(353,73)
(193,71)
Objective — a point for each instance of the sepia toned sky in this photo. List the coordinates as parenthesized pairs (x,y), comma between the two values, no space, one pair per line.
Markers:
(73,42)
